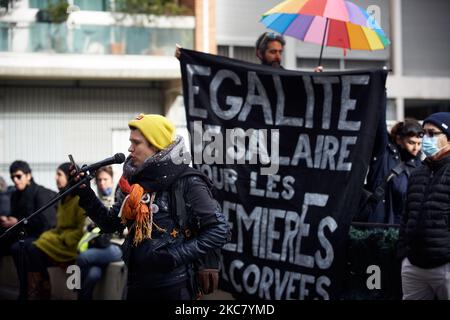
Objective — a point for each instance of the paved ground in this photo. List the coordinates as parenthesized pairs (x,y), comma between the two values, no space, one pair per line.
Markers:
(218,295)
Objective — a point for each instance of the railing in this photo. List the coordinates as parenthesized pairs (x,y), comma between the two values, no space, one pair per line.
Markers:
(90,39)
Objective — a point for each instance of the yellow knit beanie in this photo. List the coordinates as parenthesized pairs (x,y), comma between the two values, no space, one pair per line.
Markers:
(158,130)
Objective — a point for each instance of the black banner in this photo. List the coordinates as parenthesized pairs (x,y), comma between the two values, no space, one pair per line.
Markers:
(288,152)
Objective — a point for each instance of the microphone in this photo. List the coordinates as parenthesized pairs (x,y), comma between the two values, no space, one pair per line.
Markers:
(115,159)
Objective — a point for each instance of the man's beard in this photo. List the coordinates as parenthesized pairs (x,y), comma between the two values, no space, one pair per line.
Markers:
(275,64)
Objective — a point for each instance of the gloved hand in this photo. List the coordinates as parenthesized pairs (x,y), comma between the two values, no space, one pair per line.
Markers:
(208,280)
(84,189)
(161,261)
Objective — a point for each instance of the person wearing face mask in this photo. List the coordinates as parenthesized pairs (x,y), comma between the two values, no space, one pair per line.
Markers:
(402,151)
(104,182)
(424,241)
(96,248)
(27,198)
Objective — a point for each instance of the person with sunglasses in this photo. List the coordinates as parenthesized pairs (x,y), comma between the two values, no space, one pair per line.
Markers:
(402,152)
(424,240)
(269,49)
(26,199)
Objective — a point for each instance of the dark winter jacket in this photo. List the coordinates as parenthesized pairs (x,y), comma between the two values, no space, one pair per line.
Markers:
(24,203)
(389,209)
(5,201)
(143,260)
(425,228)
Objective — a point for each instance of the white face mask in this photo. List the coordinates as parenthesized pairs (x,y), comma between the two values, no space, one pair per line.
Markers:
(430,146)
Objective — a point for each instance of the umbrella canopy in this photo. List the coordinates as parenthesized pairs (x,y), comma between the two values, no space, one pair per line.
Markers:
(334,23)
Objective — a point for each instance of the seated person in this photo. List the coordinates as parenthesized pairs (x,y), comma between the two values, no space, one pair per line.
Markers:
(27,198)
(98,249)
(58,245)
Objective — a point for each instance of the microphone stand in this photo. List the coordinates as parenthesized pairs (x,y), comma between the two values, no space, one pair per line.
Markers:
(24,221)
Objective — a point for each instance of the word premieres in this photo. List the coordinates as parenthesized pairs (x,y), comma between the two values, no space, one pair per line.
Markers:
(277,235)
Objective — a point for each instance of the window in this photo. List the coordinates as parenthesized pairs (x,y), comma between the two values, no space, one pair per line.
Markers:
(365,64)
(223,51)
(92,5)
(245,53)
(238,52)
(4,39)
(420,109)
(339,64)
(309,64)
(391,110)
(41,4)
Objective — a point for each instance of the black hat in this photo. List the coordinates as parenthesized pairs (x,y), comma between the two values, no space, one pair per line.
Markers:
(440,120)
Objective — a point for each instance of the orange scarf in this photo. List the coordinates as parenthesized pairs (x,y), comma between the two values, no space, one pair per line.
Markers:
(137,210)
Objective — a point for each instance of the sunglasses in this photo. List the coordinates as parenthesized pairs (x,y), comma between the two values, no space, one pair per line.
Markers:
(16,176)
(431,133)
(270,36)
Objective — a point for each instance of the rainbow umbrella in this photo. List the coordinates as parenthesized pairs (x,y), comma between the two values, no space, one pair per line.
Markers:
(334,23)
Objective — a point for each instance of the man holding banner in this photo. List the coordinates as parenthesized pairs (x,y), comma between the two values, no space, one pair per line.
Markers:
(288,152)
(269,49)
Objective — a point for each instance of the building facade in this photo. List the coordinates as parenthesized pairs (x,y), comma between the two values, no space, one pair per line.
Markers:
(71,86)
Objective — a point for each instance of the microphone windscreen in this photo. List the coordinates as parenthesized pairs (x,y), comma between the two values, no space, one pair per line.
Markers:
(120,157)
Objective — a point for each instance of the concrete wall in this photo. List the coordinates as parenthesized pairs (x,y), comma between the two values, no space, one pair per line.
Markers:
(426,38)
(43,123)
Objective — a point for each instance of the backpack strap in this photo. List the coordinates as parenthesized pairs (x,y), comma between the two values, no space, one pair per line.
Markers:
(177,195)
(370,201)
(177,198)
(395,172)
(212,258)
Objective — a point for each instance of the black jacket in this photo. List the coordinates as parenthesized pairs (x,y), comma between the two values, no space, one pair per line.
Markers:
(212,233)
(24,203)
(425,229)
(389,209)
(5,201)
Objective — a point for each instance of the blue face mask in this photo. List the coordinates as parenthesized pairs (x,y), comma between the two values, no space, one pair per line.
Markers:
(106,192)
(430,146)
